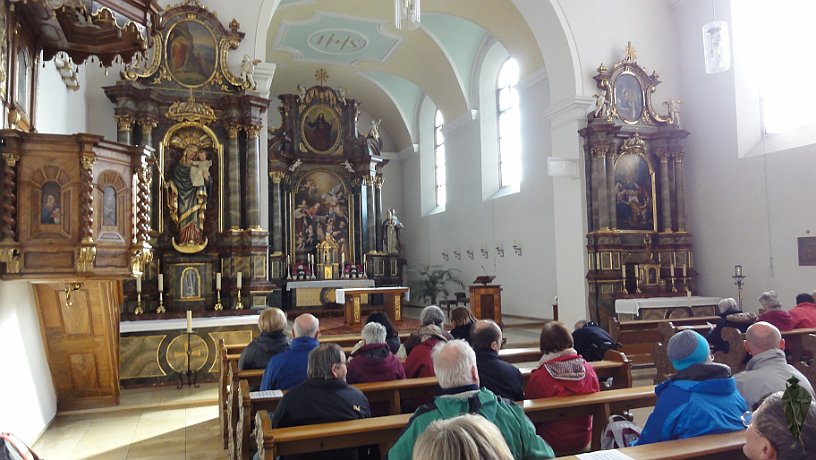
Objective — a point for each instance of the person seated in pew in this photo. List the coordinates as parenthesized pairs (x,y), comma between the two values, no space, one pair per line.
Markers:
(804,313)
(418,363)
(770,435)
(466,437)
(462,320)
(324,397)
(771,312)
(701,398)
(591,341)
(562,371)
(730,316)
(288,369)
(391,335)
(271,341)
(374,362)
(455,366)
(495,374)
(767,371)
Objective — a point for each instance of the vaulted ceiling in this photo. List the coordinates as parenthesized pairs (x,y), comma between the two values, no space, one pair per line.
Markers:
(390,70)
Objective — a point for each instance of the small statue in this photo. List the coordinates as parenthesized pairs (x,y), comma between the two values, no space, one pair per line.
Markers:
(674,110)
(601,107)
(248,70)
(341,94)
(301,92)
(391,233)
(374,132)
(295,165)
(349,167)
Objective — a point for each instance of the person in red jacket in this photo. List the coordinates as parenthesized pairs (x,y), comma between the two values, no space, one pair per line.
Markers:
(420,344)
(374,362)
(804,313)
(562,372)
(772,312)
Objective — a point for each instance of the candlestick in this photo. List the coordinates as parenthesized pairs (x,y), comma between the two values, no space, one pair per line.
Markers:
(737,270)
(239,305)
(161,282)
(238,282)
(189,321)
(218,306)
(218,281)
(161,308)
(139,310)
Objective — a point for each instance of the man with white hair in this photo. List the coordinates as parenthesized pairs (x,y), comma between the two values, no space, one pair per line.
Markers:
(767,371)
(455,367)
(288,369)
(731,315)
(374,362)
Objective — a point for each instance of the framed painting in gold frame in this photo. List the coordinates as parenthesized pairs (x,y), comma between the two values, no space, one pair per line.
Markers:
(191,53)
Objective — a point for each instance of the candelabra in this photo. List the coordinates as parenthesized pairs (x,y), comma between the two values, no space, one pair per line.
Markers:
(738,281)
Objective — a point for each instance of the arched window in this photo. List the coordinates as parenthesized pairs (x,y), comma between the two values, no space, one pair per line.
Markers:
(509,122)
(439,160)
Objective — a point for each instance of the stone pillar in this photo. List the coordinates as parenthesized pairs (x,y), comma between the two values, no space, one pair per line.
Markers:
(610,188)
(233,179)
(665,193)
(371,225)
(680,191)
(147,125)
(378,212)
(276,219)
(252,178)
(600,218)
(124,132)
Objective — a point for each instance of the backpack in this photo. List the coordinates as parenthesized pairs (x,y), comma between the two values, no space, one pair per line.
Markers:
(13,448)
(619,432)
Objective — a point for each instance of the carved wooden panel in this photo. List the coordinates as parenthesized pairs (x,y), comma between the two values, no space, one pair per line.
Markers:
(82,342)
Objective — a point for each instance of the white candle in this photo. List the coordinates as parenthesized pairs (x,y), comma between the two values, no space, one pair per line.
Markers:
(138,284)
(688,297)
(623,270)
(737,270)
(671,267)
(189,321)
(364,261)
(685,274)
(161,282)
(342,259)
(238,283)
(218,281)
(287,259)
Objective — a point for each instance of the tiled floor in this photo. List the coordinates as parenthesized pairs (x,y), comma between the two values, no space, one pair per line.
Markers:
(165,423)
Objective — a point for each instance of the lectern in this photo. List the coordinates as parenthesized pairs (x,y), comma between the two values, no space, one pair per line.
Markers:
(485,299)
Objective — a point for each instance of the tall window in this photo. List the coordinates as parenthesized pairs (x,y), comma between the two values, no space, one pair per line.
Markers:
(781,32)
(439,160)
(509,121)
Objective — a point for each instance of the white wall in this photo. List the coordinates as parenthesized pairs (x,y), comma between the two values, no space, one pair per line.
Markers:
(29,401)
(60,111)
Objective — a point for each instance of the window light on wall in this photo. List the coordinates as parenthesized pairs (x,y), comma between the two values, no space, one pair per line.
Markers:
(509,122)
(439,160)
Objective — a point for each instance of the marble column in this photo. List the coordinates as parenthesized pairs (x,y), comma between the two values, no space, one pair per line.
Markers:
(680,191)
(378,212)
(252,178)
(611,194)
(147,126)
(233,179)
(124,131)
(371,225)
(665,193)
(601,221)
(276,223)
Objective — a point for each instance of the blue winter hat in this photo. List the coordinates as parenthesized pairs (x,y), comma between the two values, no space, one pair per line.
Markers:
(687,348)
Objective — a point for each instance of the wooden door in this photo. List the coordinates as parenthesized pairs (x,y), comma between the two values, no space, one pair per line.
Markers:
(82,342)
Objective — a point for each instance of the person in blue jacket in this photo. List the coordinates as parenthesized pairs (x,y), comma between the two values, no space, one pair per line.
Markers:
(288,369)
(701,398)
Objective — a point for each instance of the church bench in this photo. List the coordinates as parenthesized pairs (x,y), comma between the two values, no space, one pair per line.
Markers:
(637,338)
(712,446)
(795,345)
(661,358)
(384,431)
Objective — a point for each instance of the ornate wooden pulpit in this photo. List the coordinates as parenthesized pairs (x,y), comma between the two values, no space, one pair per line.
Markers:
(485,299)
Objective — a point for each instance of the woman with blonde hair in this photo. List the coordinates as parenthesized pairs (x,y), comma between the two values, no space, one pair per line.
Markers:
(466,437)
(271,341)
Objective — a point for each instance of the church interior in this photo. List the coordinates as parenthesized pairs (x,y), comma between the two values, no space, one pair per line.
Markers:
(186,163)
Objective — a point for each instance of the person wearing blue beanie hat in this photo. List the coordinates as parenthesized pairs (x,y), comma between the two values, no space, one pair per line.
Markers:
(701,398)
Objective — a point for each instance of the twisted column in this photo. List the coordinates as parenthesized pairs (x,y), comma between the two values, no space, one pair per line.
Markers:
(9,196)
(665,193)
(143,204)
(252,178)
(124,132)
(233,179)
(86,199)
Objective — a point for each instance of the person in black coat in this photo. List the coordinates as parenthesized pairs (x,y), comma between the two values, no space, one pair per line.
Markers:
(271,341)
(496,375)
(462,320)
(324,397)
(591,341)
(730,316)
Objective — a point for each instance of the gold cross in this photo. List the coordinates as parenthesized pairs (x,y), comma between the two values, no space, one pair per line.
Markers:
(630,52)
(321,76)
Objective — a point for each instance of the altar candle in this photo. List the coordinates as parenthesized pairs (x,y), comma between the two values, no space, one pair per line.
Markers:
(737,270)
(138,284)
(688,297)
(342,259)
(623,271)
(671,268)
(685,274)
(364,261)
(189,321)
(238,282)
(287,259)
(218,281)
(161,282)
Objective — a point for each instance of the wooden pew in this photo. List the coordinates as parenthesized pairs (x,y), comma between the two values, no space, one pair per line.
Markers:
(384,431)
(638,337)
(661,357)
(735,358)
(712,446)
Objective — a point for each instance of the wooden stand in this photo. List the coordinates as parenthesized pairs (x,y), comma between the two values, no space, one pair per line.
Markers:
(485,301)
(392,302)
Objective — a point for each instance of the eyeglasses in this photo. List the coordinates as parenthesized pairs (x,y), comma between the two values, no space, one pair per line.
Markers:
(747,417)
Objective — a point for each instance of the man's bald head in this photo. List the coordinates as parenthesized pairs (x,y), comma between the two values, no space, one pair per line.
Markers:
(761,337)
(306,325)
(485,334)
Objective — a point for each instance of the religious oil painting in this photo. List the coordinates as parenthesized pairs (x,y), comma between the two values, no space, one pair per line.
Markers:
(628,98)
(50,210)
(109,206)
(321,129)
(321,209)
(634,193)
(191,53)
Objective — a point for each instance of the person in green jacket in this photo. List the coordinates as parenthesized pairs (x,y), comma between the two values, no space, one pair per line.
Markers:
(455,367)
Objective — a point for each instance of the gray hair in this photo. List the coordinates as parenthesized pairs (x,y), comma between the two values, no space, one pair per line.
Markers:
(770,300)
(321,360)
(466,437)
(432,315)
(771,423)
(727,304)
(374,333)
(306,325)
(452,362)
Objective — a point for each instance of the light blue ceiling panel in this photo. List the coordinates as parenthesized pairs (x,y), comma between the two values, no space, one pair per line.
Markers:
(329,38)
(404,94)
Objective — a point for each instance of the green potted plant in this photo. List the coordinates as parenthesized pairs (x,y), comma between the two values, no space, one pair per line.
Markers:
(432,281)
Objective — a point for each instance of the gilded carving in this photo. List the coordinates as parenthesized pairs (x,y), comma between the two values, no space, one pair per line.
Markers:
(252,131)
(148,124)
(276,176)
(397,308)
(140,257)
(379,181)
(11,257)
(85,258)
(88,162)
(356,309)
(192,111)
(232,130)
(11,159)
(123,122)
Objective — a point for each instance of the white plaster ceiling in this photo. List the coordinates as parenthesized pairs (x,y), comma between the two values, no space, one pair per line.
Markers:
(387,70)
